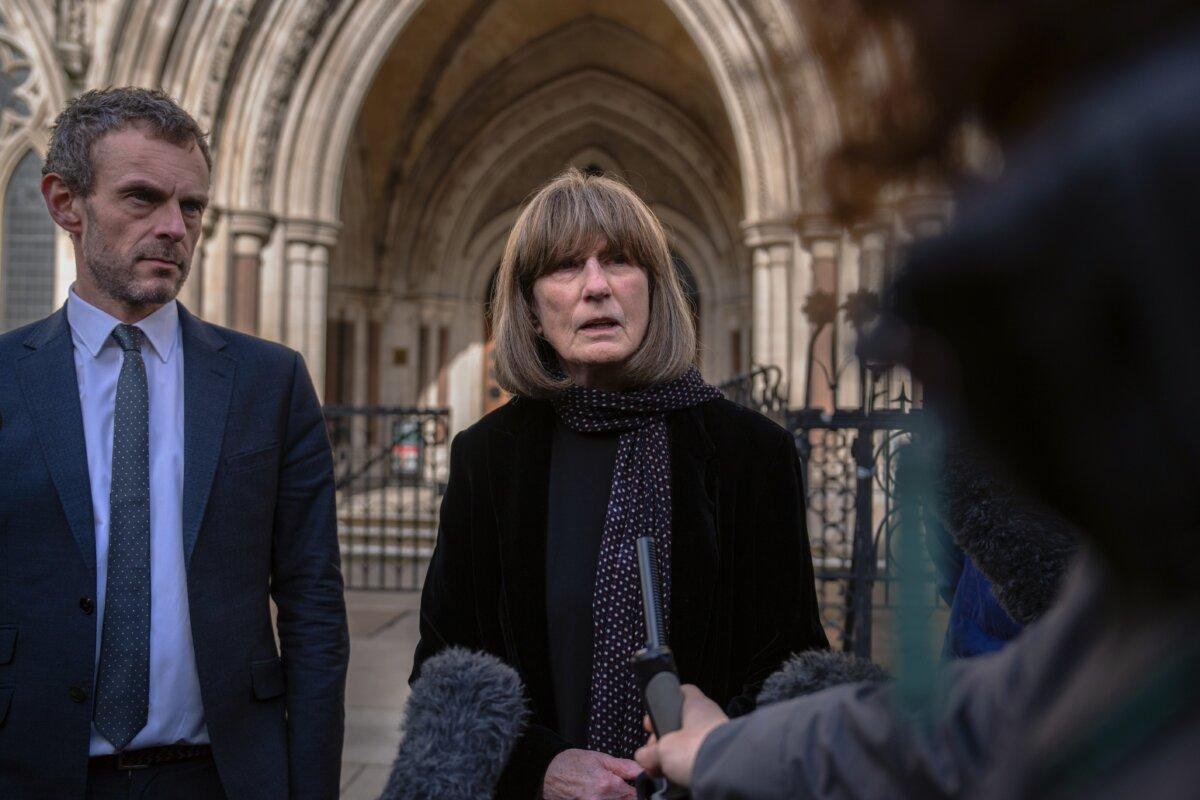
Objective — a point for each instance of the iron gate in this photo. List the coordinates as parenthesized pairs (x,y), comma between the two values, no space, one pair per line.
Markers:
(390,470)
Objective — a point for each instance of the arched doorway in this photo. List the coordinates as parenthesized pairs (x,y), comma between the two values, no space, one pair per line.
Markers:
(468,115)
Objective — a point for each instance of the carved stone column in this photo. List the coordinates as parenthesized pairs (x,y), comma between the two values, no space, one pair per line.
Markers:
(872,239)
(192,292)
(822,240)
(249,231)
(318,292)
(773,250)
(72,38)
(306,247)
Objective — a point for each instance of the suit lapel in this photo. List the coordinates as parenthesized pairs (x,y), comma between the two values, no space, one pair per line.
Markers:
(207,383)
(694,555)
(519,474)
(51,388)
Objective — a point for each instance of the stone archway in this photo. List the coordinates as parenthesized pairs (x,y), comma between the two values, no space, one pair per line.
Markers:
(306,170)
(282,85)
(434,253)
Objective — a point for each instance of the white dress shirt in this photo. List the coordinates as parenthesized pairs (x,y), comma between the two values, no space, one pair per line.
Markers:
(176,713)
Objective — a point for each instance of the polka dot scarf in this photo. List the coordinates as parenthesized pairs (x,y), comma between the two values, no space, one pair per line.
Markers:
(639,505)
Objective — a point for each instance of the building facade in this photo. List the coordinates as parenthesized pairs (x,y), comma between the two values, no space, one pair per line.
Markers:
(371,156)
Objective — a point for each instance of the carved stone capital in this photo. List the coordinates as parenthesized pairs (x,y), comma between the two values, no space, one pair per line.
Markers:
(815,229)
(768,233)
(257,224)
(312,232)
(867,229)
(925,214)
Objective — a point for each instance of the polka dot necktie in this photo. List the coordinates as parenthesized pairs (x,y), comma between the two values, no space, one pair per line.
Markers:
(123,680)
(639,505)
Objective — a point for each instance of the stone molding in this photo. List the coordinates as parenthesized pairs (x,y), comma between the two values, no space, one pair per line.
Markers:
(257,224)
(768,233)
(312,232)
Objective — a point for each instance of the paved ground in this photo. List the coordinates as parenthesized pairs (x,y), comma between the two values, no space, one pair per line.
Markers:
(383,633)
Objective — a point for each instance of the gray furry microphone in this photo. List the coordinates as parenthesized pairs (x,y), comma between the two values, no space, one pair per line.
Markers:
(460,724)
(814,670)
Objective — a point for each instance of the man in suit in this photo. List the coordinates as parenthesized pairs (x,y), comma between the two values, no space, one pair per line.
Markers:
(163,480)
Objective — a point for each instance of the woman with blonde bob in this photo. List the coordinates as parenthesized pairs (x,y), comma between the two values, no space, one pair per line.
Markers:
(611,435)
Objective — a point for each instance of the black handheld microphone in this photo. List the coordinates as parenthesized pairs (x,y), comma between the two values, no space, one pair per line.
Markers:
(654,667)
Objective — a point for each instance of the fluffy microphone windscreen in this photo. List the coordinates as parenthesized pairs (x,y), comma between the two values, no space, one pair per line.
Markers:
(1022,547)
(814,670)
(462,719)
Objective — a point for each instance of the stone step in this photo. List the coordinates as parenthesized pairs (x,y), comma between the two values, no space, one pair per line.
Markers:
(385,533)
(387,551)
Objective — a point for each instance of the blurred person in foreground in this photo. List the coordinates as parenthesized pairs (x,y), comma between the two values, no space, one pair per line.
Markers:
(1056,320)
(163,481)
(612,435)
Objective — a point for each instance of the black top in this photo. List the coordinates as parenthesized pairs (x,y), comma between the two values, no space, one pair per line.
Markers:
(742,591)
(581,469)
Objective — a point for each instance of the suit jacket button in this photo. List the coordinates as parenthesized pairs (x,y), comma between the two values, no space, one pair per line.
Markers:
(78,694)
(87,605)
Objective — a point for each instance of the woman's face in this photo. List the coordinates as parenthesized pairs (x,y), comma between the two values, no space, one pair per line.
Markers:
(594,313)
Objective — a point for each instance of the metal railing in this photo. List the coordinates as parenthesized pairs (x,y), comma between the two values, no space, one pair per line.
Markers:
(392,465)
(390,470)
(849,456)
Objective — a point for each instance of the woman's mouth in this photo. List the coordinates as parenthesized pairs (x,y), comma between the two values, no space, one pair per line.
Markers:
(601,325)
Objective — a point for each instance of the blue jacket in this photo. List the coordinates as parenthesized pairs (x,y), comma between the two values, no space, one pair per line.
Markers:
(978,624)
(258,525)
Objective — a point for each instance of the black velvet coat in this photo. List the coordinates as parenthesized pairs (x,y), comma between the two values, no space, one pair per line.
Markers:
(742,592)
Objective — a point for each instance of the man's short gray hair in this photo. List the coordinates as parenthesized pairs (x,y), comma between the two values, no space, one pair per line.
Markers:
(92,115)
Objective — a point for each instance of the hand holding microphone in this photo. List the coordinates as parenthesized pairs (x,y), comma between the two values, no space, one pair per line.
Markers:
(674,754)
(654,667)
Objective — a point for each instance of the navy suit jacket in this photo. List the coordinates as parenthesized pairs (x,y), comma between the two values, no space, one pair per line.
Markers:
(258,524)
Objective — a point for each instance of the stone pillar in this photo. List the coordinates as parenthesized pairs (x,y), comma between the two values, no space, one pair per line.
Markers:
(920,216)
(874,270)
(295,294)
(316,324)
(192,293)
(213,280)
(306,251)
(249,231)
(822,241)
(772,253)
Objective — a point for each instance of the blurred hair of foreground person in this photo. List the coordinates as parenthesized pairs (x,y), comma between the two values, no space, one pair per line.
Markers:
(612,435)
(1055,321)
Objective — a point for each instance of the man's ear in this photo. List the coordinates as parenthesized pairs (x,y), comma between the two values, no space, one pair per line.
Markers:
(64,205)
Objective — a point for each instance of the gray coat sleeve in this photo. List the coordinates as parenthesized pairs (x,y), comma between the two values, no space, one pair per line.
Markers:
(852,742)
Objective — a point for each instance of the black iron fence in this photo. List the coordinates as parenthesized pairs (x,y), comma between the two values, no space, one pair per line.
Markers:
(850,460)
(850,457)
(390,469)
(392,464)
